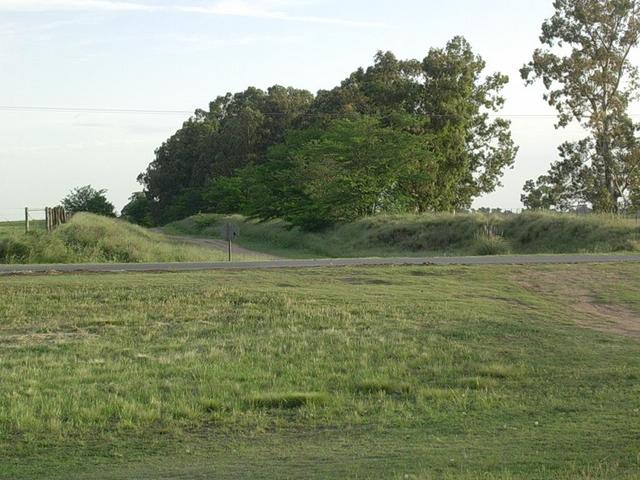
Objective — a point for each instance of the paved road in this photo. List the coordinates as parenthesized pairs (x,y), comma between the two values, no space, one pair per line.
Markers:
(188,267)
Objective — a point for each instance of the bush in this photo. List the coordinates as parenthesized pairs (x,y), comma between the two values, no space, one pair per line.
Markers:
(91,238)
(88,199)
(13,251)
(491,245)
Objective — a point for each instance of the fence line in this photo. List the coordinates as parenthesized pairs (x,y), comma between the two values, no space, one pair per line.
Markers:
(53,217)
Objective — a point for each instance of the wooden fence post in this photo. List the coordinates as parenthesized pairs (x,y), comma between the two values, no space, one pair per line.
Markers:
(26,219)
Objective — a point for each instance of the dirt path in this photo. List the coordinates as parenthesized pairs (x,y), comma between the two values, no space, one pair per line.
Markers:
(215,244)
(594,314)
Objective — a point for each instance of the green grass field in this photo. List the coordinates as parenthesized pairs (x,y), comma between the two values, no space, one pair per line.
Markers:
(92,239)
(17,228)
(420,373)
(431,234)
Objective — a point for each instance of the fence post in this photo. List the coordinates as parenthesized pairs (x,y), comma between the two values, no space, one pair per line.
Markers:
(26,219)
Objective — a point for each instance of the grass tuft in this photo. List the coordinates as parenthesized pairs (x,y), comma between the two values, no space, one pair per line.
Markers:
(491,245)
(287,400)
(380,386)
(478,383)
(497,370)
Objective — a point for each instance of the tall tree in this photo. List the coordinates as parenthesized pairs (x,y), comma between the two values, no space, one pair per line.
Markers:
(353,168)
(450,92)
(458,99)
(585,68)
(138,210)
(446,101)
(235,131)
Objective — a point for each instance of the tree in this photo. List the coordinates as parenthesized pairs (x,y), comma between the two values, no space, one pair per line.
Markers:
(589,78)
(236,130)
(450,95)
(475,148)
(444,103)
(138,210)
(353,168)
(88,199)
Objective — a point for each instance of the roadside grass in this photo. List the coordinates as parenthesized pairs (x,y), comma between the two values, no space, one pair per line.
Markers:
(394,372)
(93,239)
(430,235)
(17,227)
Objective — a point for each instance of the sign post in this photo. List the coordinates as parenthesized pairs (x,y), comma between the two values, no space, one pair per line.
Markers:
(230,232)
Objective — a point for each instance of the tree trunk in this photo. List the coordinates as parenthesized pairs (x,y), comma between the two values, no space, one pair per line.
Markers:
(603,147)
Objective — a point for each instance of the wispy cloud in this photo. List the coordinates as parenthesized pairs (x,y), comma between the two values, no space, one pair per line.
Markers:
(205,42)
(265,9)
(52,5)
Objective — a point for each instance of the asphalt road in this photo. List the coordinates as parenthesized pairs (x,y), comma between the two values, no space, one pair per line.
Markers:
(344,262)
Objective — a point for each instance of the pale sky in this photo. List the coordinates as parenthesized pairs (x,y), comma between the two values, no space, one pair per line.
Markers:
(179,55)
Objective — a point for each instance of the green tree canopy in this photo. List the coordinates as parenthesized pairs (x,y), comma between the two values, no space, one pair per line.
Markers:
(352,168)
(236,131)
(585,68)
(88,199)
(138,210)
(438,112)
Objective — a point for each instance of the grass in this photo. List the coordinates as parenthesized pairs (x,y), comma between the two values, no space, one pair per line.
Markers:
(432,234)
(14,228)
(93,239)
(287,400)
(420,373)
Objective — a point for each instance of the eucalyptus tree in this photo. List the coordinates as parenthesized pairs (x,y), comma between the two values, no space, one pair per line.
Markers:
(586,69)
(454,102)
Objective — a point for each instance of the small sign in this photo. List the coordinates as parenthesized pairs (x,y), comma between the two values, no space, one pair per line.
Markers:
(230,231)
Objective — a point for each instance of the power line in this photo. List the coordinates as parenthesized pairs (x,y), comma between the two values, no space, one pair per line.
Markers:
(22,108)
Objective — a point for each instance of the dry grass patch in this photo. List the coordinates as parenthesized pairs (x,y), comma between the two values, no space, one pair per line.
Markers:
(578,288)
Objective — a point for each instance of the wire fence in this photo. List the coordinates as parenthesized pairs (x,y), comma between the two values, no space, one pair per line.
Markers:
(37,219)
(20,220)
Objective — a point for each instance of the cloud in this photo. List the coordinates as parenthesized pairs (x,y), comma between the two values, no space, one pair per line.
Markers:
(265,9)
(204,42)
(51,5)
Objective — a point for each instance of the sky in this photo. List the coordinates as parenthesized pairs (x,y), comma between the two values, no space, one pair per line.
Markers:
(176,56)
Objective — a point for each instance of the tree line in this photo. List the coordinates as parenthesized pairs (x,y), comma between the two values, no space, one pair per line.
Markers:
(400,135)
(410,135)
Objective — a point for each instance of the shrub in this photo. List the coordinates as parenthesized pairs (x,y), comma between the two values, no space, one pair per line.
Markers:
(491,245)
(13,251)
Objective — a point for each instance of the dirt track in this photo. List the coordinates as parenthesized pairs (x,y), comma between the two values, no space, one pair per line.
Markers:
(216,244)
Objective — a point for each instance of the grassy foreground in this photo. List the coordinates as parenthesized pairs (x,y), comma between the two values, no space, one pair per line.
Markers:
(432,234)
(90,238)
(442,372)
